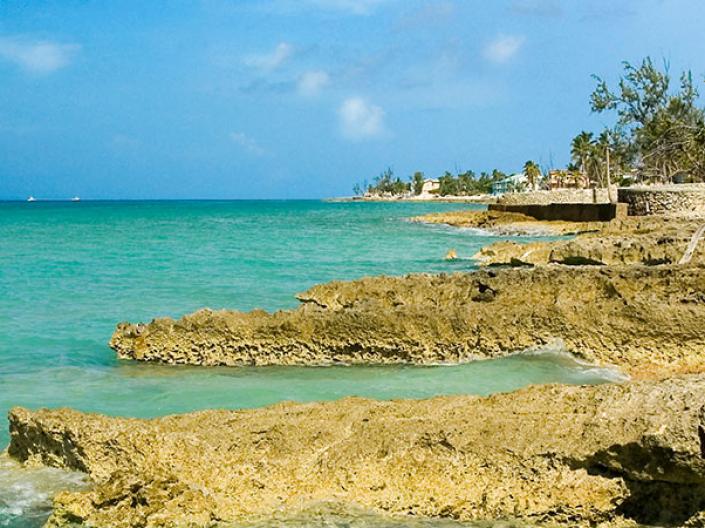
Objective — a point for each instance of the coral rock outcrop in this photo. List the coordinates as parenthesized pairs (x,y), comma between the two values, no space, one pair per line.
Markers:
(613,454)
(647,241)
(508,223)
(647,320)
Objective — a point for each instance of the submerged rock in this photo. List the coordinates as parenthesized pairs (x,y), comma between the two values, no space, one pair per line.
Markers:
(614,454)
(647,320)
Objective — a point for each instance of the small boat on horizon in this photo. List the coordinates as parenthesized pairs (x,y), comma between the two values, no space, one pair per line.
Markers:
(75,199)
(31,199)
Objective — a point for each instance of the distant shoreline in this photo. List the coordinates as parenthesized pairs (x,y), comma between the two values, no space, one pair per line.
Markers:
(477,199)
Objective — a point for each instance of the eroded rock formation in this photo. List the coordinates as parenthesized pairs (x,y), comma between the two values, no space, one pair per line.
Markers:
(614,454)
(647,320)
(648,241)
(509,224)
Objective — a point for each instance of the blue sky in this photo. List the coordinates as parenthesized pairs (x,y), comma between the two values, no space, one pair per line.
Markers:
(303,98)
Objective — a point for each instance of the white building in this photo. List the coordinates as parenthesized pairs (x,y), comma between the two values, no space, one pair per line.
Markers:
(514,183)
(429,187)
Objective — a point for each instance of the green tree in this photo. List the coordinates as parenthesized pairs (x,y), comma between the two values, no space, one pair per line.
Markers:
(533,173)
(417,182)
(498,175)
(387,184)
(580,150)
(447,185)
(467,185)
(666,128)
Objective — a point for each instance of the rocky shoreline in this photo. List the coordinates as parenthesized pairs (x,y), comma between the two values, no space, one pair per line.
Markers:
(608,455)
(644,320)
(508,224)
(634,241)
(611,455)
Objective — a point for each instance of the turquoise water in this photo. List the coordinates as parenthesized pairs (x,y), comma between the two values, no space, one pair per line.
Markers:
(70,271)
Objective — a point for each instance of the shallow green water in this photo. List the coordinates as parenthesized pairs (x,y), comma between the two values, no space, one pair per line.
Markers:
(70,271)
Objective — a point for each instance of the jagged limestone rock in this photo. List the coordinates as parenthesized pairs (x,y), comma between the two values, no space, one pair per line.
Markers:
(648,241)
(505,223)
(646,320)
(615,454)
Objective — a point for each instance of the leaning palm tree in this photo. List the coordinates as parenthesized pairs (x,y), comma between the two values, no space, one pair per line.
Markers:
(581,149)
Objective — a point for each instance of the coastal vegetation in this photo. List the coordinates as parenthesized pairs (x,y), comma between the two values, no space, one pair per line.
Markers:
(658,137)
(659,133)
(467,183)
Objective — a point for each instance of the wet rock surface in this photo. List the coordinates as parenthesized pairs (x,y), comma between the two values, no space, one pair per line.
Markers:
(612,454)
(645,320)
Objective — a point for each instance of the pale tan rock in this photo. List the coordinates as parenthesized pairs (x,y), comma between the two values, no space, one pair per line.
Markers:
(503,223)
(452,254)
(648,241)
(566,455)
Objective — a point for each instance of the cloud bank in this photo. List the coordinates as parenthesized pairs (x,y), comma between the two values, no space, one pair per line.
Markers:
(352,7)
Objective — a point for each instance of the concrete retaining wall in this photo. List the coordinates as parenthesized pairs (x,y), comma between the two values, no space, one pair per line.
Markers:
(558,196)
(665,199)
(570,212)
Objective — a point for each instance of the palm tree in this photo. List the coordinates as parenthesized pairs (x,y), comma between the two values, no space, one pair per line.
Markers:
(581,148)
(533,173)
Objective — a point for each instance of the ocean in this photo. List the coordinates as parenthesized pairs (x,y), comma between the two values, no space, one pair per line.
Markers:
(69,272)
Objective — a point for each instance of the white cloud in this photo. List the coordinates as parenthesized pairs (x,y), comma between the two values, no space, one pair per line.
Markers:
(37,56)
(357,7)
(312,83)
(503,48)
(360,119)
(247,143)
(353,7)
(272,60)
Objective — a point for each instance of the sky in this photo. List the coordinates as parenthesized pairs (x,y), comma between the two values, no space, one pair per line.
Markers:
(304,98)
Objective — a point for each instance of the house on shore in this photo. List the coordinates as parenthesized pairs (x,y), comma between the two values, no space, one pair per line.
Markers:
(430,187)
(515,183)
(564,179)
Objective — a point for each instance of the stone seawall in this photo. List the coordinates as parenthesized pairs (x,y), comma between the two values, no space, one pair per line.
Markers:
(568,212)
(557,196)
(667,199)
